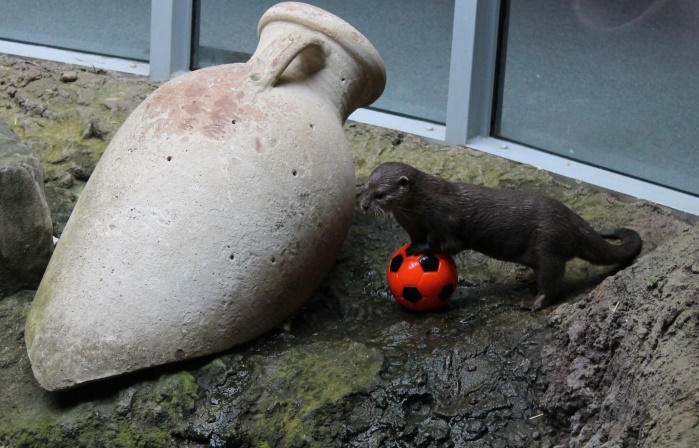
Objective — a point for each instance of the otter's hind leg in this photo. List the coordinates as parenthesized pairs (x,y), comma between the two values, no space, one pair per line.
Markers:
(549,274)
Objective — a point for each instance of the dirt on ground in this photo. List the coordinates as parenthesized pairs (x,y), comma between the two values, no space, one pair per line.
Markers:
(615,364)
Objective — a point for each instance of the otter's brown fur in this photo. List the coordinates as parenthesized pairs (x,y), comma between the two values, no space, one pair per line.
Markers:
(511,225)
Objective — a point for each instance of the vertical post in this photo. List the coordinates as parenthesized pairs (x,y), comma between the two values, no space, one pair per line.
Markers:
(170,37)
(472,69)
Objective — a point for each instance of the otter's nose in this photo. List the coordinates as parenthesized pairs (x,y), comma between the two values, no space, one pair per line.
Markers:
(364,203)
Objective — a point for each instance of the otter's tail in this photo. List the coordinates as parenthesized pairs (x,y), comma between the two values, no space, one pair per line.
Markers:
(602,252)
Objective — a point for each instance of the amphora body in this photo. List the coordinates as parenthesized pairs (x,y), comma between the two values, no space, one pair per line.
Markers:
(216,210)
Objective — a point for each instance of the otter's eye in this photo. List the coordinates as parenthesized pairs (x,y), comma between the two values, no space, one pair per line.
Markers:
(379,196)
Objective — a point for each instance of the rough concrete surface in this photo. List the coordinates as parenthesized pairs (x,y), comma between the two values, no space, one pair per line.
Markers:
(352,368)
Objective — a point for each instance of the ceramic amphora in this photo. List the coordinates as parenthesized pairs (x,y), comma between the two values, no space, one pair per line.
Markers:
(216,210)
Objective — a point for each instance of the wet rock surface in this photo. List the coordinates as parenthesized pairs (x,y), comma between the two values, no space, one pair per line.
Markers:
(352,368)
(624,361)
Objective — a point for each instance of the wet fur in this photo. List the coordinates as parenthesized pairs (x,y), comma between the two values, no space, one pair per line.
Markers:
(511,225)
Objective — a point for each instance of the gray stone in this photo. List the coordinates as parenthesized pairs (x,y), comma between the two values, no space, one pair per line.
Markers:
(26,236)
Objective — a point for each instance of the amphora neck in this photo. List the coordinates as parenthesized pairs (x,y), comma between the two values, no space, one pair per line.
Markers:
(302,44)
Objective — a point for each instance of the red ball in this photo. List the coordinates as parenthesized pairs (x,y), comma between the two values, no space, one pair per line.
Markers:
(422,282)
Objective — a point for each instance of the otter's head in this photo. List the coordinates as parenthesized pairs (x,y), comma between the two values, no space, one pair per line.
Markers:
(387,188)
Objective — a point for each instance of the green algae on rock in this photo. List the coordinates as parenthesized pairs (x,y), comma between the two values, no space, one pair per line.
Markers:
(307,381)
(69,125)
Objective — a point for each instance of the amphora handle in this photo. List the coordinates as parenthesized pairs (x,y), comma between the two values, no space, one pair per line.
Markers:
(269,63)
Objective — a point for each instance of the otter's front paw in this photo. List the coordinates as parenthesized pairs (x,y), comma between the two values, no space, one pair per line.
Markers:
(418,248)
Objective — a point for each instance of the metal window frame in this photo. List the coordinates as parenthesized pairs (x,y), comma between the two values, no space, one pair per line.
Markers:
(74,57)
(472,76)
(170,38)
(470,111)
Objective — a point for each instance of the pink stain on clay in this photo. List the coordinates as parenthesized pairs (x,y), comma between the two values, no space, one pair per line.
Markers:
(211,102)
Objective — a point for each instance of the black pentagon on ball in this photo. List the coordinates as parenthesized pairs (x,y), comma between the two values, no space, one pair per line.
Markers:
(396,263)
(411,294)
(429,263)
(446,292)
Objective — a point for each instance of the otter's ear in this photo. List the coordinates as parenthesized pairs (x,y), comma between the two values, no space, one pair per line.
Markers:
(403,181)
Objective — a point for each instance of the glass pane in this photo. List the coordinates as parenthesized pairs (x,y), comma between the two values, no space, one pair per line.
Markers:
(412,36)
(113,28)
(611,83)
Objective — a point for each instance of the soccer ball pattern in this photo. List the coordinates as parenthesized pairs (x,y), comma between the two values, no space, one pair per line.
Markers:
(422,282)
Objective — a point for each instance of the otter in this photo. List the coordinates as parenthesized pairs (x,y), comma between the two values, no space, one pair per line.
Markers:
(511,225)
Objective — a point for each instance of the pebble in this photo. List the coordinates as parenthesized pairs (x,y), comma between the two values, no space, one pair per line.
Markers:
(70,76)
